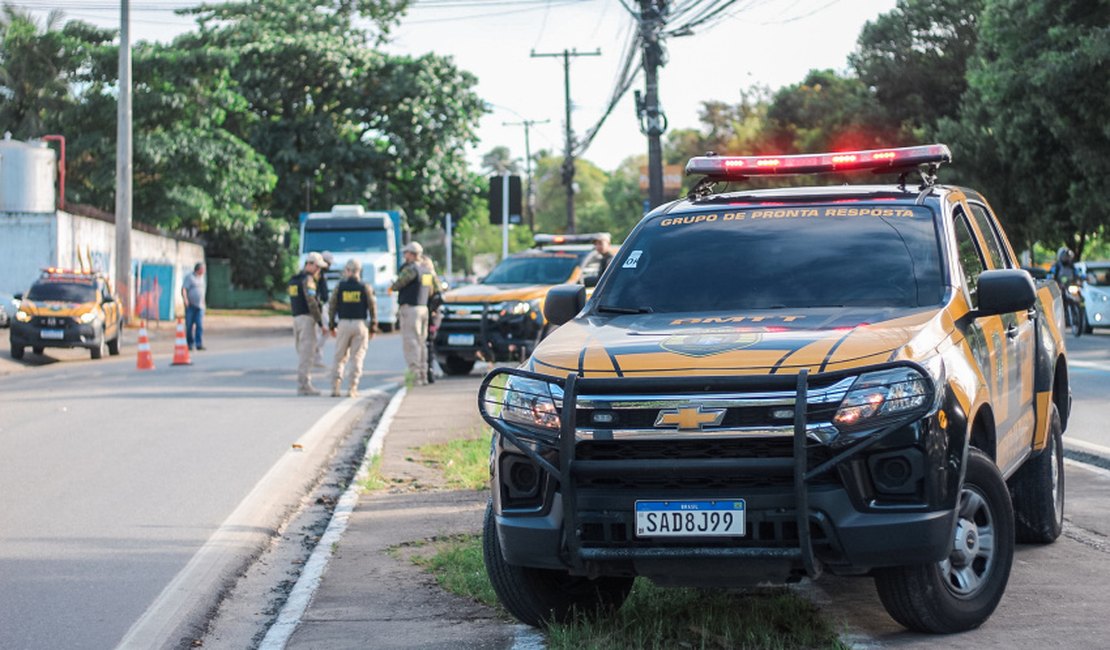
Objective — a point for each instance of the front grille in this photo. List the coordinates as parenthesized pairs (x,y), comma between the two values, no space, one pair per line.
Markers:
(51,321)
(695,449)
(747,416)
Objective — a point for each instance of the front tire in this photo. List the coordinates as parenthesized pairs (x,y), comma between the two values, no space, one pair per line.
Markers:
(1078,320)
(456,365)
(38,349)
(115,344)
(539,597)
(17,352)
(97,352)
(960,592)
(1038,489)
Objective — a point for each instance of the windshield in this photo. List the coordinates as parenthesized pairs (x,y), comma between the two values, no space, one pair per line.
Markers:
(537,269)
(61,292)
(775,258)
(346,241)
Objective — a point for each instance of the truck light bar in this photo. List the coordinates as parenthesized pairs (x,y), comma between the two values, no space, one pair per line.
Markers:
(741,167)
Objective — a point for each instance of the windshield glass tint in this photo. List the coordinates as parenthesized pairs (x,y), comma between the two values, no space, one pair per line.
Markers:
(774,258)
(1098,275)
(62,292)
(346,241)
(533,270)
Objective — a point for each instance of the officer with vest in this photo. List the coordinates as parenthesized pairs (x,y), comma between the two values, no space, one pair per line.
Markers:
(306,318)
(414,285)
(354,308)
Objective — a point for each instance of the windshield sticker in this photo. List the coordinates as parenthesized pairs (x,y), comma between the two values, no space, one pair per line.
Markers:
(721,320)
(786,213)
(633,260)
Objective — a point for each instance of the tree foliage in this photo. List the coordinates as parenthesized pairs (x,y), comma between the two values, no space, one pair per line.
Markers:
(342,122)
(915,58)
(1033,132)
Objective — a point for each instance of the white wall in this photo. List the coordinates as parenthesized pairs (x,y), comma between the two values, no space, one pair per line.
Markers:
(29,242)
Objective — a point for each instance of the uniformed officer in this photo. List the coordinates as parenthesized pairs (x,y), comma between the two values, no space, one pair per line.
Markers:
(352,316)
(413,286)
(322,294)
(306,318)
(604,251)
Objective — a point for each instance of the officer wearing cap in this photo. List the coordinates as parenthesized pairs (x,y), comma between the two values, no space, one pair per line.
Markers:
(604,251)
(414,285)
(306,318)
(322,293)
(352,316)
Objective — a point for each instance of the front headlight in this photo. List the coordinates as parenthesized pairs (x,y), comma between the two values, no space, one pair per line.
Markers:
(886,395)
(517,308)
(22,316)
(532,403)
(87,317)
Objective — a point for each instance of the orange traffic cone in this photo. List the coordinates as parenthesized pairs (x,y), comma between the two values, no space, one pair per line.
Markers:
(146,359)
(180,348)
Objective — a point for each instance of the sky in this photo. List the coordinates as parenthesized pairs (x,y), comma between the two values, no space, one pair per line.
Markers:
(754,42)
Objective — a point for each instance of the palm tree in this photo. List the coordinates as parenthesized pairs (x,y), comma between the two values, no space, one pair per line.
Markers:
(35,69)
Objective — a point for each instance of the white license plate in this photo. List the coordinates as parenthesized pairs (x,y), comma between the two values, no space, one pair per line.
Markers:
(54,335)
(460,339)
(717,518)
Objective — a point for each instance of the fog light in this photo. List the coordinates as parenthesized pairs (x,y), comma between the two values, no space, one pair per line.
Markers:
(896,472)
(603,417)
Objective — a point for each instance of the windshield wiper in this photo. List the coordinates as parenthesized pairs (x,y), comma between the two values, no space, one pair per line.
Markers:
(612,309)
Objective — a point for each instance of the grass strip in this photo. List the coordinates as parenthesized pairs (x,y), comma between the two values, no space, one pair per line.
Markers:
(374,480)
(654,618)
(464,461)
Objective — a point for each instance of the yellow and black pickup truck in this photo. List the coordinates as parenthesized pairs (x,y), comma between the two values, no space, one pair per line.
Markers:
(68,309)
(501,317)
(778,383)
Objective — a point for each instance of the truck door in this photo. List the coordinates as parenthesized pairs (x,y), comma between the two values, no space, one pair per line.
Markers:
(1016,421)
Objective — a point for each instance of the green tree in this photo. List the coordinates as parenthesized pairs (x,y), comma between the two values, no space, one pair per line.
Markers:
(38,66)
(828,112)
(591,211)
(339,121)
(1033,132)
(915,57)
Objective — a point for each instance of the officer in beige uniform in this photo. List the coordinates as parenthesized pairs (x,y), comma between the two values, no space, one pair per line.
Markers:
(413,286)
(306,318)
(352,316)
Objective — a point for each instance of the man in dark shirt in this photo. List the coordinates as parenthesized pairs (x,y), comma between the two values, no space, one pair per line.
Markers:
(352,316)
(305,304)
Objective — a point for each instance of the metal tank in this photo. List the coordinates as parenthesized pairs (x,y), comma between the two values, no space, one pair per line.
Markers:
(27,173)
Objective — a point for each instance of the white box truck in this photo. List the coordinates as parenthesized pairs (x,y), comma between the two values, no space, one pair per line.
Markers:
(372,238)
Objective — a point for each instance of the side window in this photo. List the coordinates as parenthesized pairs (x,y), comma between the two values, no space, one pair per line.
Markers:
(990,237)
(968,253)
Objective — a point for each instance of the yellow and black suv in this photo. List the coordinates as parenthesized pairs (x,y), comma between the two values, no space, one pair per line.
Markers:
(501,317)
(778,383)
(68,309)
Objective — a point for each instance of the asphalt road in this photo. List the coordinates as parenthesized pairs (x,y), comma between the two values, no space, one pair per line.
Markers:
(1089,372)
(116,481)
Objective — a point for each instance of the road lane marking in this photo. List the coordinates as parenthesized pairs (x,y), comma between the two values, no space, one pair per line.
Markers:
(154,629)
(309,581)
(1089,365)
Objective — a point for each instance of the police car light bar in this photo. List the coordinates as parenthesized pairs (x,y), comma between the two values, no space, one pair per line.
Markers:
(741,167)
(542,239)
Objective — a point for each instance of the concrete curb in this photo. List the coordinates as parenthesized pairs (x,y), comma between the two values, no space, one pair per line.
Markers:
(295,606)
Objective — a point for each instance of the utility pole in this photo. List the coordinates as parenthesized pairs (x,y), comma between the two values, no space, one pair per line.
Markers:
(123,165)
(531,192)
(653,122)
(568,160)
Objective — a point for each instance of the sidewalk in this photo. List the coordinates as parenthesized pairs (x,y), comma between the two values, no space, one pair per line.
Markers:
(370,599)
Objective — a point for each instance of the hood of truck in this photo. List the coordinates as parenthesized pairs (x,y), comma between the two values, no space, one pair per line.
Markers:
(758,342)
(493,293)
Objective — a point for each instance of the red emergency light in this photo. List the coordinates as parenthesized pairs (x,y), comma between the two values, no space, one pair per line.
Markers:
(741,167)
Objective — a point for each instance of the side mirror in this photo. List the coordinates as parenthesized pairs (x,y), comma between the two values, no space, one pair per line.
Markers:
(563,303)
(589,281)
(1005,291)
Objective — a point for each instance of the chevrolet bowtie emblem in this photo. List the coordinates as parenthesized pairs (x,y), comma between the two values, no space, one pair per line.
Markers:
(690,418)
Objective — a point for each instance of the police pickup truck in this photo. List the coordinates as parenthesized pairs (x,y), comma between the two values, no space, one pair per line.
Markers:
(501,317)
(778,383)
